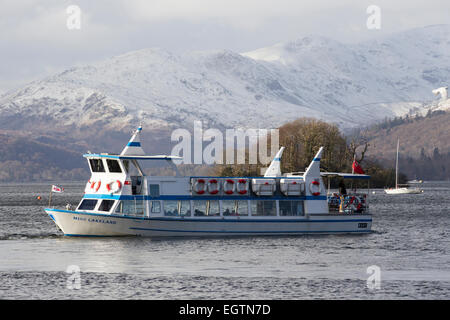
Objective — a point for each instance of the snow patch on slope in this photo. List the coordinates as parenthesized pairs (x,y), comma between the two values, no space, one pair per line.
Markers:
(350,85)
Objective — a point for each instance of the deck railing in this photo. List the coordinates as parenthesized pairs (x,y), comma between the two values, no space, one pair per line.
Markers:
(352,203)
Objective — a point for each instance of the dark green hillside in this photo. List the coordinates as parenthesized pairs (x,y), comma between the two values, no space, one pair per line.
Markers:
(25,159)
(424,145)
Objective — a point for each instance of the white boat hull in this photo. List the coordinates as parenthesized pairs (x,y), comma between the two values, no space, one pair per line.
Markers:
(74,223)
(403,191)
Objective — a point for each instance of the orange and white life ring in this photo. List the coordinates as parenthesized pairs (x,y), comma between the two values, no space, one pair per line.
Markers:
(354,203)
(116,189)
(242,186)
(199,182)
(94,183)
(314,187)
(226,187)
(213,186)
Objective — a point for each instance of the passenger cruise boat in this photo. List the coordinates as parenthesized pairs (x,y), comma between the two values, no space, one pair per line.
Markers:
(121,200)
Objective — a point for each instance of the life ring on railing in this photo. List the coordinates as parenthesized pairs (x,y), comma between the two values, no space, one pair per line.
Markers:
(241,182)
(354,203)
(196,188)
(93,183)
(226,184)
(213,182)
(314,188)
(117,189)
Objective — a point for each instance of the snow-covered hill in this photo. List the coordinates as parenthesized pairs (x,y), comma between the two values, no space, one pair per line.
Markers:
(350,85)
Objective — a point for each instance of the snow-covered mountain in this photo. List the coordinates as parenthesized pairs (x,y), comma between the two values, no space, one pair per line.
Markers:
(350,85)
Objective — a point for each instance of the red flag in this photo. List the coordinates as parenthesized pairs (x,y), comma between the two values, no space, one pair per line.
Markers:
(357,168)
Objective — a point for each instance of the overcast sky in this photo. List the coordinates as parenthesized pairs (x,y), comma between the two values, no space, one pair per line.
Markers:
(35,40)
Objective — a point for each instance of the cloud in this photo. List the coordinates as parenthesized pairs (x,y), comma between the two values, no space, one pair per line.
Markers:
(34,39)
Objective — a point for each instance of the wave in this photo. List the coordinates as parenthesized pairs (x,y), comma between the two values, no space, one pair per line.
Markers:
(23,236)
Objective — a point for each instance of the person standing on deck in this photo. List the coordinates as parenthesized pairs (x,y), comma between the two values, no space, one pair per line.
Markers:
(342,194)
(342,189)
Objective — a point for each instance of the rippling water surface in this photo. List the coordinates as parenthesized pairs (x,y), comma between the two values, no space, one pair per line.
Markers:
(410,244)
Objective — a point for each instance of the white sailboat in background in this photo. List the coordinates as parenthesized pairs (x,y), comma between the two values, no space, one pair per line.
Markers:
(404,189)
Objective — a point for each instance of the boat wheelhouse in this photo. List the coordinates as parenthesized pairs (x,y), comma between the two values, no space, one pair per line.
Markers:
(121,200)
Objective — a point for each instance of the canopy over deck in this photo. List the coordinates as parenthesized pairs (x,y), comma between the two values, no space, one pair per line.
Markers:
(345,175)
(112,156)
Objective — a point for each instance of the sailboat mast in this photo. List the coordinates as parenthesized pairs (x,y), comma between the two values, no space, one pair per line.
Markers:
(396,166)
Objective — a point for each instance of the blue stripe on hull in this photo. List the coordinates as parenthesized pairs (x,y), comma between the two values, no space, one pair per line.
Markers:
(188,219)
(253,220)
(248,232)
(91,235)
(229,232)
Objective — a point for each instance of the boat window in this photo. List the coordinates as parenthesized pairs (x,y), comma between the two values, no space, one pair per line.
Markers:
(291,208)
(242,207)
(130,168)
(264,208)
(285,208)
(155,206)
(170,207)
(136,185)
(229,207)
(96,165)
(297,208)
(131,207)
(184,207)
(140,205)
(87,204)
(113,166)
(106,205)
(199,207)
(154,190)
(126,165)
(125,207)
(213,208)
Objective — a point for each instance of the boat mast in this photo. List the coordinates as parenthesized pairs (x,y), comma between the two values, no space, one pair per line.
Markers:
(396,166)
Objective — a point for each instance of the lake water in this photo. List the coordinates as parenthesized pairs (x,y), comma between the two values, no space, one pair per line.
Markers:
(409,244)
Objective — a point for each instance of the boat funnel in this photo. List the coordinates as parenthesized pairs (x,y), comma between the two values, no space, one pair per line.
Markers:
(133,147)
(274,170)
(313,170)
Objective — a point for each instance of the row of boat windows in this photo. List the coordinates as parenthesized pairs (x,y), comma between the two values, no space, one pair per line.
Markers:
(98,165)
(199,208)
